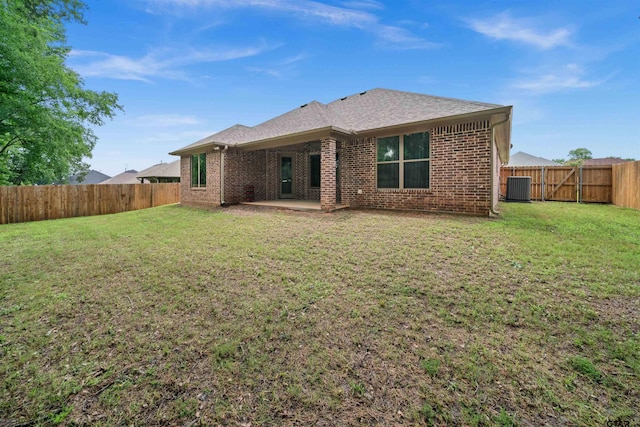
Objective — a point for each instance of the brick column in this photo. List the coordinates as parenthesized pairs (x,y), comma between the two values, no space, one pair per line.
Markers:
(328,175)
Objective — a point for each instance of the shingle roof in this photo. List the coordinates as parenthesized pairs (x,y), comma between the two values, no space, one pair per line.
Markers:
(313,115)
(370,110)
(524,159)
(92,177)
(161,170)
(126,177)
(380,108)
(225,137)
(603,161)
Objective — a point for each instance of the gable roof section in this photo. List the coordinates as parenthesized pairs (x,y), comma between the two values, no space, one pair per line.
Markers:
(92,177)
(126,177)
(365,111)
(524,159)
(603,161)
(311,116)
(224,137)
(161,170)
(380,108)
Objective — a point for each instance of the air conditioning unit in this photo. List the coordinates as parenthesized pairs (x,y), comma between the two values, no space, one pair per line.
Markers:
(518,189)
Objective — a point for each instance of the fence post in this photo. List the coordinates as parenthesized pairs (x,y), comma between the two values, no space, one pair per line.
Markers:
(579,189)
(542,183)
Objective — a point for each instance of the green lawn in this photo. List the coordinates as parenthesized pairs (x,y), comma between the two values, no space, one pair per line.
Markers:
(179,316)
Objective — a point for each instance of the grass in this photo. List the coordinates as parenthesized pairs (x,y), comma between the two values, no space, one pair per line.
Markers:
(179,316)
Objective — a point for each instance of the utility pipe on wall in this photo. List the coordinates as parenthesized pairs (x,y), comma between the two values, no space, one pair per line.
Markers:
(492,166)
(222,202)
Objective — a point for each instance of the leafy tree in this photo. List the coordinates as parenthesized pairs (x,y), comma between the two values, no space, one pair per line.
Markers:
(560,161)
(578,156)
(46,114)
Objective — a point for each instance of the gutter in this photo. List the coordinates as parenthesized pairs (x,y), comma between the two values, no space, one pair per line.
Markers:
(224,150)
(493,145)
(458,118)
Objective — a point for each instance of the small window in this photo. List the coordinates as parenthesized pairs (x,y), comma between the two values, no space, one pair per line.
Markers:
(403,161)
(199,170)
(314,170)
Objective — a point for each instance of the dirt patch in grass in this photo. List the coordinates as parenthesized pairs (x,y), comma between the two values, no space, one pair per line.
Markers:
(245,316)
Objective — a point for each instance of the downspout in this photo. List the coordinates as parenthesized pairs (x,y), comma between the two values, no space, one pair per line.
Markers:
(493,143)
(222,202)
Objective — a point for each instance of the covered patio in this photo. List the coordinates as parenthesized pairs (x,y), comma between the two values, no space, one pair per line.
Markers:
(298,172)
(295,205)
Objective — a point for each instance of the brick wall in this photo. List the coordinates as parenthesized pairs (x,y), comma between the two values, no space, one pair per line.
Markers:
(328,175)
(309,193)
(272,175)
(460,173)
(261,168)
(208,196)
(244,168)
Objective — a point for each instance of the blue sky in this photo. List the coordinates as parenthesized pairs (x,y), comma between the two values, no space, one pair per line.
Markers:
(185,69)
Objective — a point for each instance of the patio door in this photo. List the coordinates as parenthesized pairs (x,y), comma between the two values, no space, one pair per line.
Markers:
(286,177)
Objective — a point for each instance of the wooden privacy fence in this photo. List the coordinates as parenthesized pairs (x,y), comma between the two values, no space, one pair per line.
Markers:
(564,183)
(626,184)
(35,203)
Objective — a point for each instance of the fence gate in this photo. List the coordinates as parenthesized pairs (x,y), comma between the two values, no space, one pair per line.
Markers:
(564,183)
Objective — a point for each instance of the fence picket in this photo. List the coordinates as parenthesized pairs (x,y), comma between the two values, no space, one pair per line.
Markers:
(626,184)
(35,203)
(553,183)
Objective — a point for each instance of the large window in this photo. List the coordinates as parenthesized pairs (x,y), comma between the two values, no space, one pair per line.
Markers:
(403,161)
(199,170)
(314,170)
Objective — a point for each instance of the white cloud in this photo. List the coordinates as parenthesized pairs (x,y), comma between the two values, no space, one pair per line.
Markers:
(570,76)
(505,27)
(157,64)
(295,59)
(103,64)
(331,14)
(279,69)
(363,4)
(399,38)
(351,16)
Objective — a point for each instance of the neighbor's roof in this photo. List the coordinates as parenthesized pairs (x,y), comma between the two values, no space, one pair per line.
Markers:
(365,111)
(524,159)
(162,170)
(126,177)
(92,177)
(603,161)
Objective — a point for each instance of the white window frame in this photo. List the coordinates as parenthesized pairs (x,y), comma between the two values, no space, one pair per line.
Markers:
(202,158)
(401,161)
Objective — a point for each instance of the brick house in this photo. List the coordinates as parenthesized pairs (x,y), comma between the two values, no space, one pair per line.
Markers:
(376,149)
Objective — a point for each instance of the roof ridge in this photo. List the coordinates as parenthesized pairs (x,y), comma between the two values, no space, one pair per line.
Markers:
(330,116)
(448,98)
(366,110)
